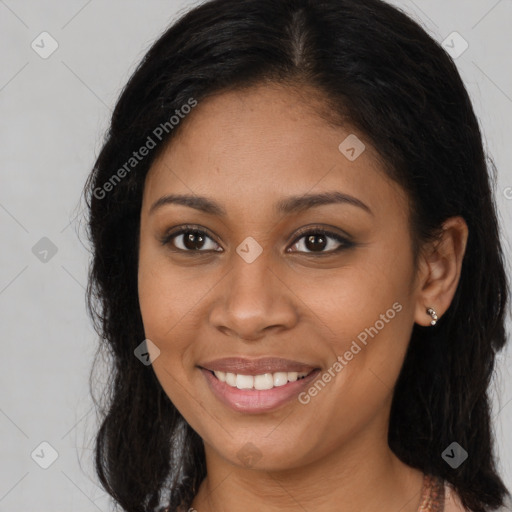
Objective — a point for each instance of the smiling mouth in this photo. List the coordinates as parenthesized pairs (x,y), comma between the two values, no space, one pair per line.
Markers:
(258,393)
(261,382)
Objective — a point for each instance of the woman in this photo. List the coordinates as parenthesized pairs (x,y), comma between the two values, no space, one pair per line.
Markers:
(297,268)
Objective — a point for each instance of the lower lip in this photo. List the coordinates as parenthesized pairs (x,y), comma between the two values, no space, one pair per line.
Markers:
(253,400)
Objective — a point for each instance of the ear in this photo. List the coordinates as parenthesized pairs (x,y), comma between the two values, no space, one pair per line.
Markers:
(439,269)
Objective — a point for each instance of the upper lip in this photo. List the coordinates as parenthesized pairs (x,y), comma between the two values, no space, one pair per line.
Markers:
(246,366)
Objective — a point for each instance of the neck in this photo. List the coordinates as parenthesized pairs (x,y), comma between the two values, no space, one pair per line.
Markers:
(364,476)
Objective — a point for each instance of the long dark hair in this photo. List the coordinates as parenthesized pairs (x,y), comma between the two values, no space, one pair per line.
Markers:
(378,70)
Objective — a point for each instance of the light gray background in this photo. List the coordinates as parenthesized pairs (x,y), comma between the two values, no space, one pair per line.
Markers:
(53,115)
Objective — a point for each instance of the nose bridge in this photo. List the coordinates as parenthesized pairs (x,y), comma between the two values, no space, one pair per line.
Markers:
(252,299)
(250,283)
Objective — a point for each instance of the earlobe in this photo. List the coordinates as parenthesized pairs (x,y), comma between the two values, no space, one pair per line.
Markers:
(441,266)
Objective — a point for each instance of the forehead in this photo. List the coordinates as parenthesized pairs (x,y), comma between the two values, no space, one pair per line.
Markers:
(257,145)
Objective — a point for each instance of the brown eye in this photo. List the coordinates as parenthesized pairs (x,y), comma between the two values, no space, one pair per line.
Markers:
(317,240)
(190,240)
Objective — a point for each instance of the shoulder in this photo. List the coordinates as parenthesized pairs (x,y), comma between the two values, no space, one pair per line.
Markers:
(452,502)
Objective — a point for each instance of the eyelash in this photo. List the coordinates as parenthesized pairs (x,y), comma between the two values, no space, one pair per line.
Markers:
(345,243)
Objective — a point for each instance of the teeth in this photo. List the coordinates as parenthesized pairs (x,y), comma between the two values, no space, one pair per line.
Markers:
(244,381)
(280,378)
(265,381)
(259,382)
(293,376)
(231,379)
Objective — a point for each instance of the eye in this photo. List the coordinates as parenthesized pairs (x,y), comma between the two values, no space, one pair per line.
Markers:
(194,240)
(190,239)
(317,239)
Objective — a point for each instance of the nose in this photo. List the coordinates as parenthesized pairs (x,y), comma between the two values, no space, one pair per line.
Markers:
(253,300)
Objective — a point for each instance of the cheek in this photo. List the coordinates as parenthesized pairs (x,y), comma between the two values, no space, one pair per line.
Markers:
(352,298)
(163,306)
(368,310)
(164,311)
(166,296)
(170,303)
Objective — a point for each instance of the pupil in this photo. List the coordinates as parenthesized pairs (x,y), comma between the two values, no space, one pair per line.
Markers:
(190,243)
(310,242)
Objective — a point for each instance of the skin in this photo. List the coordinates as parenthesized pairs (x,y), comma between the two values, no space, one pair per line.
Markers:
(247,150)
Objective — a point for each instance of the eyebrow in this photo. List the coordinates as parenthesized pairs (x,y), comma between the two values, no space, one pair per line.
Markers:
(292,204)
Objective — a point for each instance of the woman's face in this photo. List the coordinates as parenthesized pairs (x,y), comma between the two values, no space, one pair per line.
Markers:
(260,281)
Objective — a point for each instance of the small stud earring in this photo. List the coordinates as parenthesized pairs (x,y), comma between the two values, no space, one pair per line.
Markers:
(433,314)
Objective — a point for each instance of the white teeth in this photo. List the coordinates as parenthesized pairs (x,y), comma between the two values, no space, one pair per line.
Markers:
(244,381)
(259,382)
(265,381)
(231,379)
(292,376)
(280,378)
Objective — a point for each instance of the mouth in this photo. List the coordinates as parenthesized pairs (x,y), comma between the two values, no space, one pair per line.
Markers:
(255,367)
(251,390)
(260,382)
